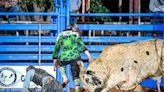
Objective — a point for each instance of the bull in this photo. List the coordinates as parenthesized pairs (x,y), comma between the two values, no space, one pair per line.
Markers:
(125,66)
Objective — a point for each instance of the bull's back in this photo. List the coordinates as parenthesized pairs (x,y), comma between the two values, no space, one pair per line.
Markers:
(139,54)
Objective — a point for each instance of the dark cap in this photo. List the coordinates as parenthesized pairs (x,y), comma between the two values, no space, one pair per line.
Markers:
(29,68)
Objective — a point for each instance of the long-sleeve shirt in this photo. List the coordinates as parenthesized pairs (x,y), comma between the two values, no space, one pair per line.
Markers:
(68,46)
(156,5)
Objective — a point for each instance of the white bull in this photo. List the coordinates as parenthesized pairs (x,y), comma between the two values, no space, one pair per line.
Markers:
(124,66)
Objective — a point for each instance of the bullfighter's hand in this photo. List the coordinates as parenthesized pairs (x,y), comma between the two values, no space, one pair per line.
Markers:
(54,68)
(55,61)
(91,60)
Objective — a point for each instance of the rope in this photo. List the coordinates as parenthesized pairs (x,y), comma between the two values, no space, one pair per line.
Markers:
(149,61)
(161,59)
(156,50)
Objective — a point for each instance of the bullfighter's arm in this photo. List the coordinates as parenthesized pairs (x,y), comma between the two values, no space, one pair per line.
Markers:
(89,56)
(84,49)
(55,53)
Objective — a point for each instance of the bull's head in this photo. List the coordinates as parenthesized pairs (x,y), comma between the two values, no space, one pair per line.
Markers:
(90,79)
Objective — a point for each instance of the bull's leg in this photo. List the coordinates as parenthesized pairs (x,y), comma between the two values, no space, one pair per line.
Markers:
(114,80)
(158,86)
(158,82)
(105,90)
(131,82)
(138,89)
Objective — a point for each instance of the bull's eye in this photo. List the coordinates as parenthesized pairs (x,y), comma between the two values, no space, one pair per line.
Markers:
(87,80)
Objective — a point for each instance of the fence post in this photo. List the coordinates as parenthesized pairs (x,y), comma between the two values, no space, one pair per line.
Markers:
(40,29)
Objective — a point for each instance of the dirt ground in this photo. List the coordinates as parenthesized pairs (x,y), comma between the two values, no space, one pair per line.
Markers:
(115,90)
(112,90)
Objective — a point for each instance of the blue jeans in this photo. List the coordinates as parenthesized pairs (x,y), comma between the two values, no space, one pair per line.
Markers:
(73,20)
(12,9)
(29,76)
(155,20)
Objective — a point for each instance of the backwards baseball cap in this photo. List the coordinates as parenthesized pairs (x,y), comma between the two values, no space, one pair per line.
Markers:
(73,27)
(29,68)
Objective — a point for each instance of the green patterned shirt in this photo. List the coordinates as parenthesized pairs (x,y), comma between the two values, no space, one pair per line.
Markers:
(68,46)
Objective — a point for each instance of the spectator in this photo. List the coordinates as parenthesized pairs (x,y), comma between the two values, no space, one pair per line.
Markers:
(156,6)
(42,78)
(74,8)
(9,6)
(70,45)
